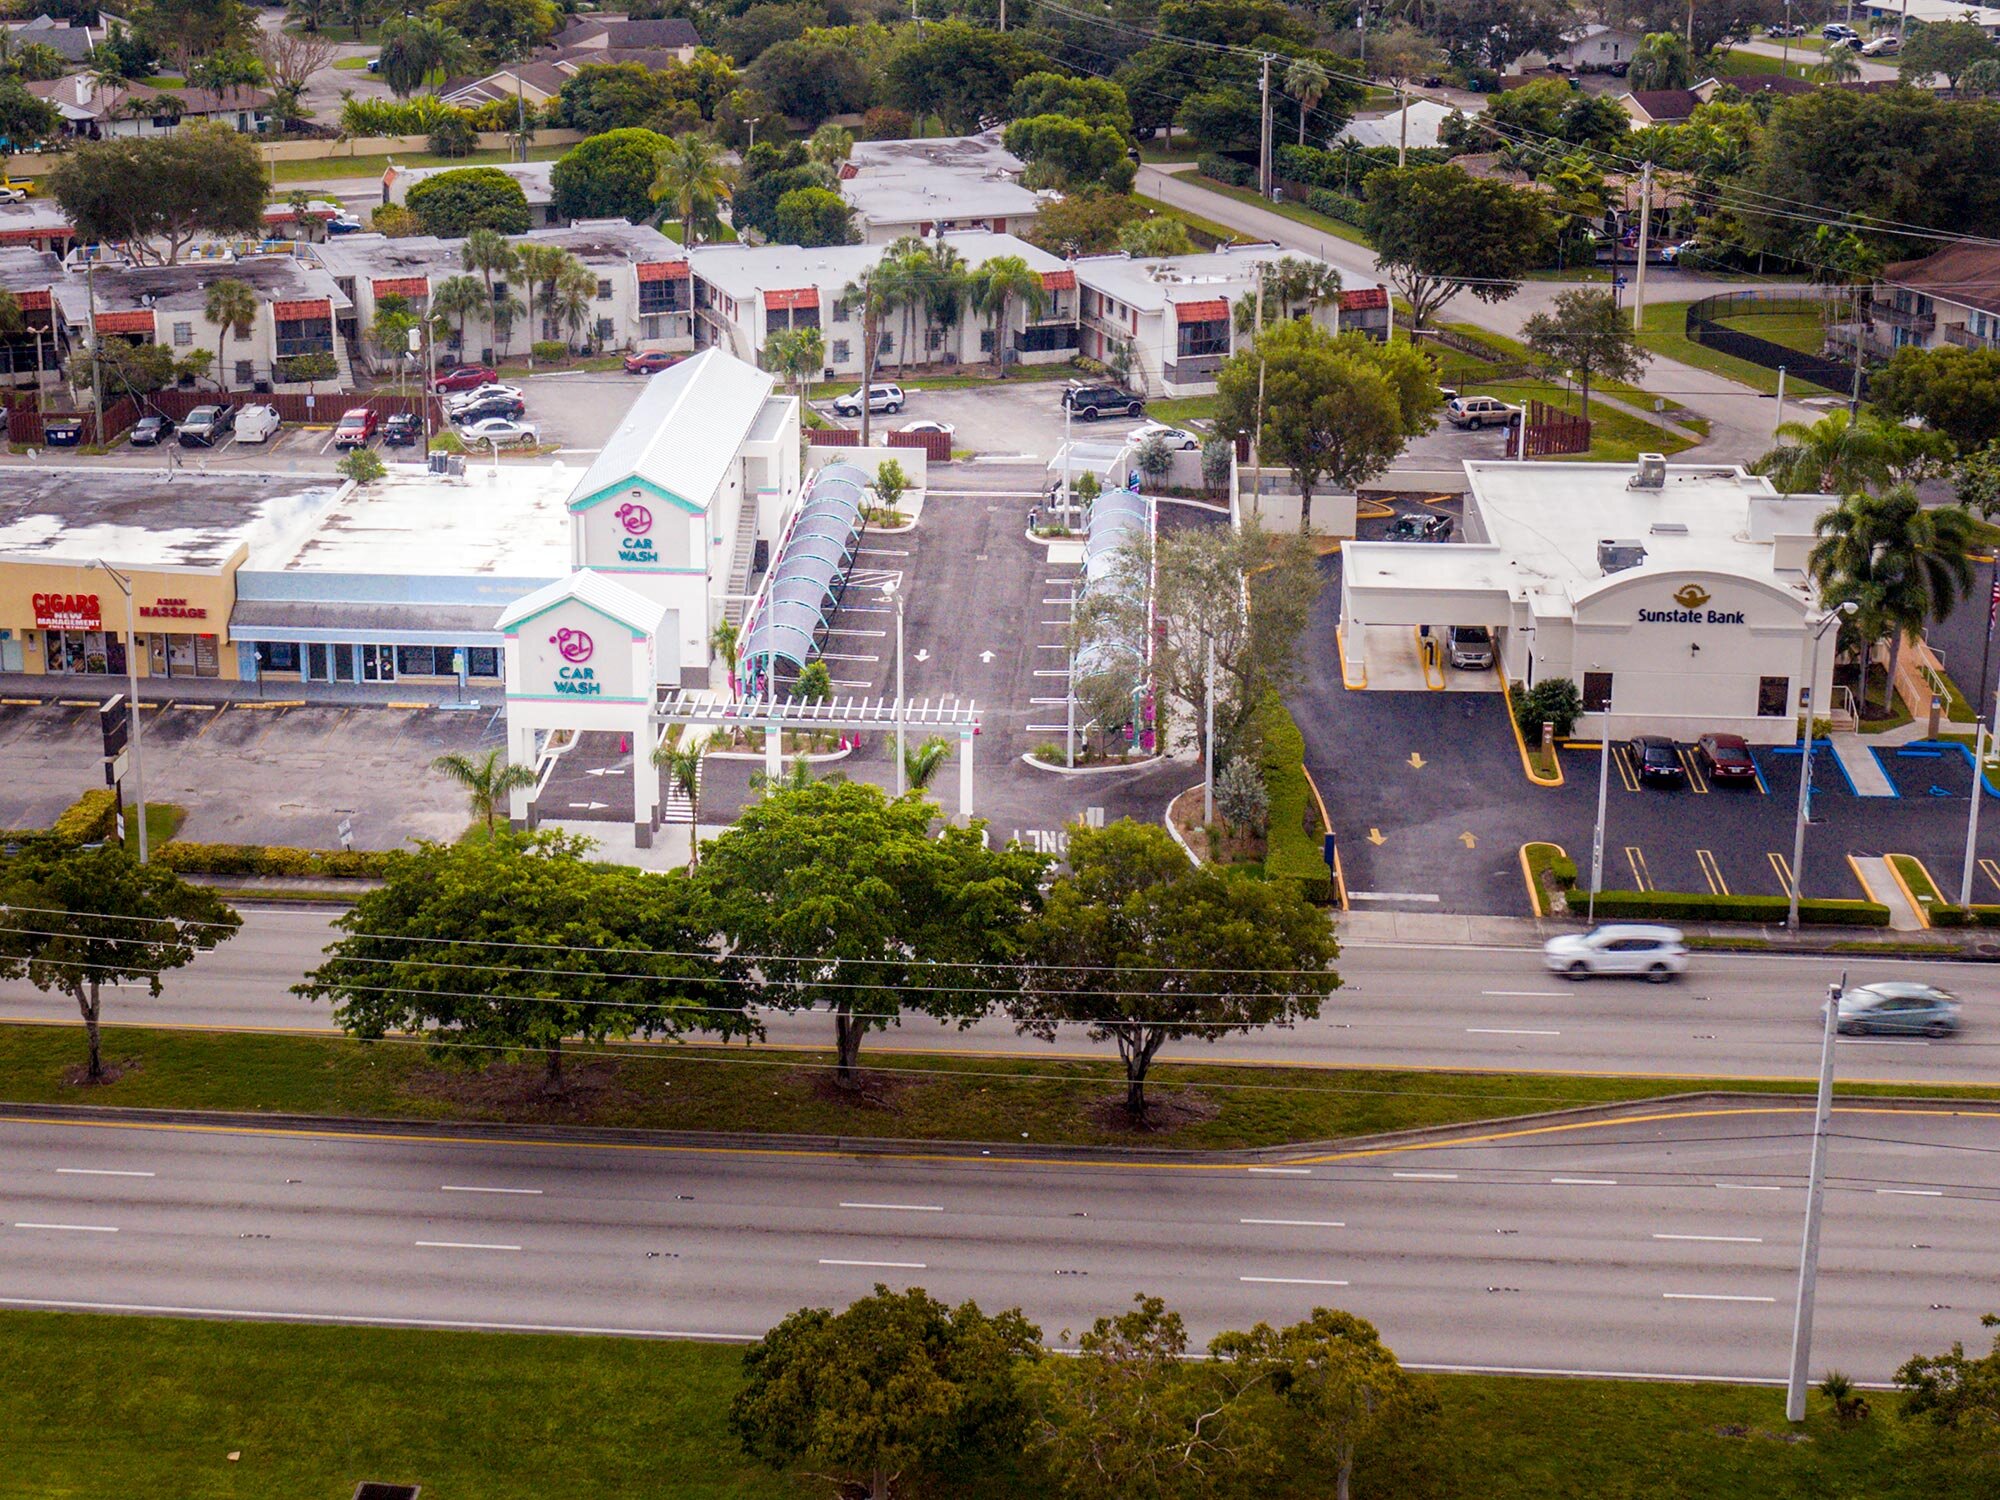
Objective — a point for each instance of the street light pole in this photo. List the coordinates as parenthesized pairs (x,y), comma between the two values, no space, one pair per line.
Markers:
(1980,737)
(1820,627)
(1603,791)
(132,691)
(1802,1315)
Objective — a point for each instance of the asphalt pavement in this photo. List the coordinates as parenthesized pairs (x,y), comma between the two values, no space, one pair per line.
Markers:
(1748,1016)
(1666,1244)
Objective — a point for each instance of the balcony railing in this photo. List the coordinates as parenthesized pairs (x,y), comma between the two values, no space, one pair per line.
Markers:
(1965,338)
(317,343)
(1916,322)
(1106,326)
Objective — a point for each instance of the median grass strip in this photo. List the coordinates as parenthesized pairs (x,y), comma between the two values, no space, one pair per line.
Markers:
(1019,1100)
(1284,208)
(1664,331)
(215,1410)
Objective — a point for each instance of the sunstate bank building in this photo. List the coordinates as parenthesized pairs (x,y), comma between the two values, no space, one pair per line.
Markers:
(1675,596)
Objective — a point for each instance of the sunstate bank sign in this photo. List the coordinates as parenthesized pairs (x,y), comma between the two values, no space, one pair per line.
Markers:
(1692,600)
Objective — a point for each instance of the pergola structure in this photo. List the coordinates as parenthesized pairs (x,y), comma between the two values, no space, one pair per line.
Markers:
(774,715)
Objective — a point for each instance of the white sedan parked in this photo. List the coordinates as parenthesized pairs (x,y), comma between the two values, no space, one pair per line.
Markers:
(1173,437)
(499,432)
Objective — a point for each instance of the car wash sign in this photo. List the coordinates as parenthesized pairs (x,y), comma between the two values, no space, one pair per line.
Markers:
(635,533)
(575,677)
(1693,601)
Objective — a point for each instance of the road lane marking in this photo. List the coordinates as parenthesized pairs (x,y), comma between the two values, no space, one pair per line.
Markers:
(450,1187)
(1289,1281)
(97,1172)
(886,1265)
(1912,1192)
(1299,1223)
(1283,1171)
(1881,1041)
(74,1228)
(1712,1297)
(1506,1031)
(1748,1187)
(907,1208)
(1427,1176)
(163,1310)
(1585,1181)
(460,1245)
(1715,1239)
(1524,994)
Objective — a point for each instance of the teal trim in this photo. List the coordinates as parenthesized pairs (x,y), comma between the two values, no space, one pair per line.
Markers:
(515,629)
(613,491)
(571,698)
(677,572)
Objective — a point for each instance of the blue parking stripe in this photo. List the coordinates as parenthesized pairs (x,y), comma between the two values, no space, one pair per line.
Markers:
(1945,747)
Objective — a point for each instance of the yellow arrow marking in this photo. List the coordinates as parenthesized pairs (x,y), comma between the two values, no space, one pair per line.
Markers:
(1467,839)
(1375,837)
(1416,761)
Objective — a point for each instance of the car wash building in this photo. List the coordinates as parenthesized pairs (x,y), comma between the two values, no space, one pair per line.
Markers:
(1674,595)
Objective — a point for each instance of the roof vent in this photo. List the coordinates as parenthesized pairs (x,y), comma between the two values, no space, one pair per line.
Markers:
(1669,528)
(1616,555)
(1652,473)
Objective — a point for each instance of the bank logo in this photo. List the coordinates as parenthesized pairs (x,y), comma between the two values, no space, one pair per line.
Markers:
(1691,596)
(575,645)
(637,519)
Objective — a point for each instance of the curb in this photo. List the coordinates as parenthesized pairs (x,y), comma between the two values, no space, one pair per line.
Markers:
(1028,758)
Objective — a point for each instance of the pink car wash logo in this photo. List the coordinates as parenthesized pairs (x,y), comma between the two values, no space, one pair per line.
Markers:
(636,518)
(575,645)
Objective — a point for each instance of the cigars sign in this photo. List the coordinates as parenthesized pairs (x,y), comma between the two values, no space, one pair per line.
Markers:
(68,612)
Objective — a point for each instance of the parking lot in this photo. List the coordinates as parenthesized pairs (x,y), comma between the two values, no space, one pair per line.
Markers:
(256,774)
(1022,419)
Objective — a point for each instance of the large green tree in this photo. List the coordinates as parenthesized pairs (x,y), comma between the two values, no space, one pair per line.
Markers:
(833,895)
(1949,389)
(155,194)
(1064,153)
(813,216)
(1439,231)
(958,72)
(1944,49)
(608,176)
(453,204)
(1333,409)
(500,29)
(80,919)
(894,1395)
(419,47)
(1839,454)
(1089,101)
(1140,948)
(603,97)
(1586,335)
(1956,1392)
(813,77)
(520,944)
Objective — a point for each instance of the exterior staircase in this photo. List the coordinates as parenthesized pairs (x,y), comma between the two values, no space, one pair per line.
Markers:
(743,553)
(678,808)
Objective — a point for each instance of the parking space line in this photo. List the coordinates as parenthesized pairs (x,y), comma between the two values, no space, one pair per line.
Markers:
(1991,871)
(1711,872)
(1626,774)
(1763,790)
(1696,780)
(1642,880)
(1782,868)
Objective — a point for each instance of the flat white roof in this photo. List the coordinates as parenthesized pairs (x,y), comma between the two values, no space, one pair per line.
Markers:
(1149,283)
(1448,567)
(744,271)
(154,517)
(510,525)
(933,194)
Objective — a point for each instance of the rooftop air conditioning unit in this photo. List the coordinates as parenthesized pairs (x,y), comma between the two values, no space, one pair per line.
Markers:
(1616,555)
(1652,473)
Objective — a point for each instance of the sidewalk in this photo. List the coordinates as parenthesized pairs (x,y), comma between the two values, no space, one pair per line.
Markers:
(1439,929)
(20,688)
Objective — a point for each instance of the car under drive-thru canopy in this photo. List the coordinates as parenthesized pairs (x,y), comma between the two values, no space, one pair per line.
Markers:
(808,573)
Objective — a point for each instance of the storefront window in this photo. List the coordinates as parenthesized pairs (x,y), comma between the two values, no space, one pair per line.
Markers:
(277,656)
(1774,697)
(423,661)
(482,661)
(1596,692)
(83,652)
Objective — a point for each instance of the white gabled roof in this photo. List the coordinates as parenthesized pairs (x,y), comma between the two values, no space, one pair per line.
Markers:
(683,432)
(612,600)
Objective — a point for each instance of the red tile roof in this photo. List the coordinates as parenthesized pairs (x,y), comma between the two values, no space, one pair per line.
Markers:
(663,270)
(1058,281)
(1210,311)
(402,286)
(1363,298)
(310,307)
(139,320)
(805,296)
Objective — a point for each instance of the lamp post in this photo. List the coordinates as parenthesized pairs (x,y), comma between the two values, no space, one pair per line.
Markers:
(1603,790)
(132,693)
(1802,1313)
(753,121)
(1820,627)
(1980,739)
(890,591)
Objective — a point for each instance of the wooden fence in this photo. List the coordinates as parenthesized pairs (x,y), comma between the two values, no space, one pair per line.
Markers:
(1553,431)
(936,445)
(25,421)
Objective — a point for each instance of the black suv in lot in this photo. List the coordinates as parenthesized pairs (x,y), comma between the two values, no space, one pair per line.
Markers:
(402,430)
(1093,401)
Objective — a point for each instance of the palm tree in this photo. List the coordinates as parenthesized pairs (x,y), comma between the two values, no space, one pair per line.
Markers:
(793,353)
(682,762)
(487,252)
(573,299)
(1292,288)
(1904,563)
(487,780)
(1661,61)
(304,220)
(723,640)
(693,180)
(946,284)
(1840,454)
(903,268)
(921,763)
(456,298)
(540,264)
(1305,81)
(997,286)
(874,293)
(830,146)
(1836,65)
(231,305)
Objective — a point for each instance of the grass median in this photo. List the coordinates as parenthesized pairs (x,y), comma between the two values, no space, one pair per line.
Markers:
(1045,1099)
(213,1411)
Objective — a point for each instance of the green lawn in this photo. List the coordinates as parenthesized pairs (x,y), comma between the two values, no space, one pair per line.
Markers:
(1016,1099)
(1803,330)
(1178,410)
(163,821)
(1664,331)
(330,168)
(1296,212)
(352,64)
(1741,64)
(725,234)
(106,1408)
(918,380)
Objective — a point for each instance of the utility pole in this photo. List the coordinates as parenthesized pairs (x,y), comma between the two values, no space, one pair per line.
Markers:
(1980,738)
(1802,1317)
(1208,741)
(1403,138)
(1257,338)
(1645,234)
(1780,422)
(1603,791)
(1003,15)
(97,364)
(1264,130)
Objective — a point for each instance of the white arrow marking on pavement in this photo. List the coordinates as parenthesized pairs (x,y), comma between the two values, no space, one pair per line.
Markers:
(986,656)
(590,806)
(922,655)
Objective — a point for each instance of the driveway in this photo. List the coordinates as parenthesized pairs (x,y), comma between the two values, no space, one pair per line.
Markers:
(1017,418)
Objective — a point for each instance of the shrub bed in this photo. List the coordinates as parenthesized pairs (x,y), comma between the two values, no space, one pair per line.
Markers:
(1223,170)
(1699,906)
(1961,916)
(1336,206)
(1293,841)
(90,819)
(272,859)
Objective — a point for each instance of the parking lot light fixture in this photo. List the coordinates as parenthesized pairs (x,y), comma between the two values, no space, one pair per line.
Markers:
(1603,790)
(132,690)
(1819,629)
(891,592)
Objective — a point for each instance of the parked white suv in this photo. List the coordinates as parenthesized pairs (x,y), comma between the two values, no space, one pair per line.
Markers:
(882,396)
(1654,953)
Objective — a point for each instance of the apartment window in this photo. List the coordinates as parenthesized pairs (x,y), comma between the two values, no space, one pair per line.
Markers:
(888,343)
(1596,692)
(245,372)
(935,338)
(840,312)
(985,341)
(606,328)
(603,289)
(183,335)
(840,351)
(1774,697)
(499,291)
(1204,338)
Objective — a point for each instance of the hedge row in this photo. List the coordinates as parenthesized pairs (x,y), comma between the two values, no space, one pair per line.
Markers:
(1959,916)
(1346,170)
(1693,906)
(1336,206)
(270,859)
(91,819)
(1292,845)
(1222,169)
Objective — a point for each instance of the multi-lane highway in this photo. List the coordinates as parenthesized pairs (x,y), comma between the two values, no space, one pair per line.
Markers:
(1735,1015)
(1665,1243)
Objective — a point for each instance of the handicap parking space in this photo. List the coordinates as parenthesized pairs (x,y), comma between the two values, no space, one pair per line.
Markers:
(1927,769)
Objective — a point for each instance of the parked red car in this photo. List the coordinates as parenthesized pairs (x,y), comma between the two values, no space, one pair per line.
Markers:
(464,378)
(651,362)
(356,428)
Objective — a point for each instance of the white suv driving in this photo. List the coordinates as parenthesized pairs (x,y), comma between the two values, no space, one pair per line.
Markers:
(1654,953)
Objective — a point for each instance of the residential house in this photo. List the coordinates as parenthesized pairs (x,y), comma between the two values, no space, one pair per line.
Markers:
(69,40)
(933,186)
(1426,119)
(613,34)
(91,110)
(1171,321)
(1950,297)
(743,294)
(36,353)
(1590,48)
(1659,106)
(1898,13)
(1749,85)
(537,185)
(643,295)
(298,308)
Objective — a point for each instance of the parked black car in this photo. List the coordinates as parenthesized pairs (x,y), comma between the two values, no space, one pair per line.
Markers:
(1092,401)
(402,430)
(509,407)
(1657,758)
(62,432)
(151,430)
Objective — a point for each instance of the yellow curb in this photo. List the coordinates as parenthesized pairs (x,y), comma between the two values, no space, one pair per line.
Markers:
(1867,890)
(1326,825)
(22,702)
(1424,661)
(197,708)
(1528,874)
(1922,911)
(394,704)
(1346,679)
(1507,707)
(273,703)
